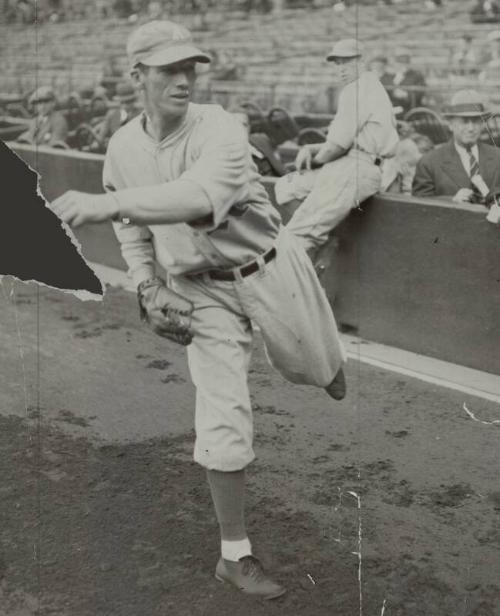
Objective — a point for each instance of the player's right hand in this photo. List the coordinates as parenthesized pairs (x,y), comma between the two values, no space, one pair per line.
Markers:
(303,159)
(464,195)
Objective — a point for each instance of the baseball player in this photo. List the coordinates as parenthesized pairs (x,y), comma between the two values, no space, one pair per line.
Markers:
(184,192)
(360,136)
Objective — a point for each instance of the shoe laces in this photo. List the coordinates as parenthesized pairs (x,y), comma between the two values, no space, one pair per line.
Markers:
(252,567)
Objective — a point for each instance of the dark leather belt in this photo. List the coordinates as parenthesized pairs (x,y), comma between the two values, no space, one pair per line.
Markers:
(245,270)
(377,160)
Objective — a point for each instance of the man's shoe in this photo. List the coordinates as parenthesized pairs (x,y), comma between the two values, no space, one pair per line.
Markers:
(248,576)
(337,388)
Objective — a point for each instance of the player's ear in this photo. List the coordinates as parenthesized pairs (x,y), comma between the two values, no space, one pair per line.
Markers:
(137,76)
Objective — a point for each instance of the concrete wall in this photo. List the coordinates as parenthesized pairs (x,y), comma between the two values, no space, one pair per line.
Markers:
(420,275)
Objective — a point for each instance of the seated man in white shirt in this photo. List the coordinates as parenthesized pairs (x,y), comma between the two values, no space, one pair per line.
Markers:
(463,168)
(361,135)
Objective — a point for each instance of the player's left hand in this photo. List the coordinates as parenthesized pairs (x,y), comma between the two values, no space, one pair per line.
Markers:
(304,159)
(76,208)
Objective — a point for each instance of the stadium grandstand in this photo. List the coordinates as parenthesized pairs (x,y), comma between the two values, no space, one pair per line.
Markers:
(268,56)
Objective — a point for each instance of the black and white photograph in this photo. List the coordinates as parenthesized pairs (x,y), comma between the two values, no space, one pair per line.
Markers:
(250,299)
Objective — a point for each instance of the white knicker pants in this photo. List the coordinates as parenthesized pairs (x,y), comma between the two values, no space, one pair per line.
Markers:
(338,187)
(284,298)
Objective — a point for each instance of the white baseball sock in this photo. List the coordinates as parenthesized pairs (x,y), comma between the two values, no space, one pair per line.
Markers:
(234,550)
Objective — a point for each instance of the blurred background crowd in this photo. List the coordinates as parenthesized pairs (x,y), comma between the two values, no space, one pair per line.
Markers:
(64,63)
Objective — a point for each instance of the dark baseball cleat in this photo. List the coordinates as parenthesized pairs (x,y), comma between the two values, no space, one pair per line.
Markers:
(248,576)
(337,388)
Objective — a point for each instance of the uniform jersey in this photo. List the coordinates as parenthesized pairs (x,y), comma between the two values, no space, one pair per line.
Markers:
(209,150)
(365,118)
(282,296)
(365,127)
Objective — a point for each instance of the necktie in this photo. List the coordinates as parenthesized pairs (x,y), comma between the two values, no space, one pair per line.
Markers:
(479,189)
(474,165)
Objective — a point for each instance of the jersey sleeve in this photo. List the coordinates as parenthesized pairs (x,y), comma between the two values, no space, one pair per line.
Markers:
(135,241)
(223,165)
(352,114)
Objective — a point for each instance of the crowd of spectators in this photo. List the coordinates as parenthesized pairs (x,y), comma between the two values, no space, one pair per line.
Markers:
(87,119)
(464,168)
(48,125)
(486,11)
(404,84)
(25,11)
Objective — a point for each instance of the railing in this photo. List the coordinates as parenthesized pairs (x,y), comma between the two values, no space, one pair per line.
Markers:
(417,274)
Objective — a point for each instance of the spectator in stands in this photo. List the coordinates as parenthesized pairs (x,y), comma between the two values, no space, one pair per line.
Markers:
(99,104)
(486,11)
(398,172)
(463,168)
(156,11)
(49,126)
(50,10)
(102,9)
(263,154)
(262,6)
(74,110)
(361,135)
(494,42)
(25,11)
(224,68)
(122,8)
(491,58)
(378,64)
(408,83)
(464,60)
(118,116)
(111,74)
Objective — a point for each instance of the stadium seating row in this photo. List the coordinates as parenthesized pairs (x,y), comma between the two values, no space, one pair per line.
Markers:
(279,58)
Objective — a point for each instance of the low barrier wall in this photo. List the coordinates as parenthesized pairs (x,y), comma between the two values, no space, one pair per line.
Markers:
(421,275)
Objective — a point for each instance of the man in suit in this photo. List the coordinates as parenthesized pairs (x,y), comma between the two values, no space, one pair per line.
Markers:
(408,84)
(463,168)
(261,148)
(49,126)
(118,116)
(378,64)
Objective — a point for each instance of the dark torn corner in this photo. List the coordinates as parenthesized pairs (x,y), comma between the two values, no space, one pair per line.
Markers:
(34,246)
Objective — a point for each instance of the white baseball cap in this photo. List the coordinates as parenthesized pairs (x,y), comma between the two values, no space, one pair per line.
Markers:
(158,43)
(346,48)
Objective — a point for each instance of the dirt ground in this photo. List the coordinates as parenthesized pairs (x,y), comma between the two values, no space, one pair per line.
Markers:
(385,504)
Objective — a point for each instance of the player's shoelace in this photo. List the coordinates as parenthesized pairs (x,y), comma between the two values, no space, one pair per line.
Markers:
(253,568)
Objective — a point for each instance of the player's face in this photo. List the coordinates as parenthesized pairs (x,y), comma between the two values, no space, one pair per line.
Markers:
(347,69)
(466,131)
(168,89)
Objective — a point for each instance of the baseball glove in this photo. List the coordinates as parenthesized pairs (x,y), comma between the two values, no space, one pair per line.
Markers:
(167,312)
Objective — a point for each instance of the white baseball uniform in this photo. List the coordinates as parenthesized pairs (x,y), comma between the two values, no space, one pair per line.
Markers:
(282,295)
(365,127)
